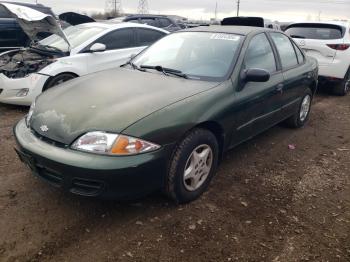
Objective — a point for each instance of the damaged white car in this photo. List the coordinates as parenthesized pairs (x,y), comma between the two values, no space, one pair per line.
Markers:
(76,51)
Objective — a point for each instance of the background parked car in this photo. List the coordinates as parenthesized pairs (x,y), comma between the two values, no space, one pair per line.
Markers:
(77,51)
(329,43)
(250,21)
(11,34)
(160,21)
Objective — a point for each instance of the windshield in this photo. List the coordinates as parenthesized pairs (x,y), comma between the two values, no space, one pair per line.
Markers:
(202,55)
(76,35)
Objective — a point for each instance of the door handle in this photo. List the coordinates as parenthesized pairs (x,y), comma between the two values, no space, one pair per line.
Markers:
(279,88)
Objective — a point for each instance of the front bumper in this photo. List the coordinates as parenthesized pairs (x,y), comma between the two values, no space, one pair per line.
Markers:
(10,87)
(92,175)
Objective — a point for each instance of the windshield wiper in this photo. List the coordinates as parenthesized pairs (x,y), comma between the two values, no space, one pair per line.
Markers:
(134,66)
(166,71)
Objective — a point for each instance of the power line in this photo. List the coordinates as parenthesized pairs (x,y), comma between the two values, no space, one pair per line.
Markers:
(114,6)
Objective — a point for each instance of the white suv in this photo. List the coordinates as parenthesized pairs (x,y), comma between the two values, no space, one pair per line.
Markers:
(329,43)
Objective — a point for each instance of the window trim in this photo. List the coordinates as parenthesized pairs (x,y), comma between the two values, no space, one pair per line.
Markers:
(302,53)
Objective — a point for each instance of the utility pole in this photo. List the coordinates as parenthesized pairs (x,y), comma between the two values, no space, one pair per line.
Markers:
(216,11)
(238,6)
(114,7)
(143,7)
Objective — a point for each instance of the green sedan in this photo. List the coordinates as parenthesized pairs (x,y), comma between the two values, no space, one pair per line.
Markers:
(164,120)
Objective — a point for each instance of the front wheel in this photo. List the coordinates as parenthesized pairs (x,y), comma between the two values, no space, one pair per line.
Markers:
(300,118)
(192,166)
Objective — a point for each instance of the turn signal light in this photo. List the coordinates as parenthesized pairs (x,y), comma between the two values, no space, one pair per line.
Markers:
(339,47)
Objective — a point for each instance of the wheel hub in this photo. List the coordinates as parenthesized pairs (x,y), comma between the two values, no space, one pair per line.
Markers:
(305,108)
(198,167)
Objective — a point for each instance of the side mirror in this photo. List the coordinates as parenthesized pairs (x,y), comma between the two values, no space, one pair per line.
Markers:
(98,48)
(255,75)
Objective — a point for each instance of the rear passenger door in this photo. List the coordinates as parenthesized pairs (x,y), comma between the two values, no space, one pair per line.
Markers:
(296,77)
(121,45)
(261,102)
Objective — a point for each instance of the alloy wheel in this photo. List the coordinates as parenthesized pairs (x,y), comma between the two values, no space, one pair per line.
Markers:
(198,167)
(305,108)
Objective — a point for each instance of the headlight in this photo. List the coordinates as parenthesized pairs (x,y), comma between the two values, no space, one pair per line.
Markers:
(30,114)
(112,144)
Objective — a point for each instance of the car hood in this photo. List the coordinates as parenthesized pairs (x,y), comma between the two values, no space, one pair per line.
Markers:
(33,22)
(107,101)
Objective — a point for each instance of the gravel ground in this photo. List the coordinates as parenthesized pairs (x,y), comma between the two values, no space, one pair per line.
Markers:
(267,203)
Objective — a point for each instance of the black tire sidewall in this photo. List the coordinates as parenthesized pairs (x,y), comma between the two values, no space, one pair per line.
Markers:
(199,137)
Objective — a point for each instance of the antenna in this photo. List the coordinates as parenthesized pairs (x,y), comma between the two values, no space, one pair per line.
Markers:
(114,6)
(143,7)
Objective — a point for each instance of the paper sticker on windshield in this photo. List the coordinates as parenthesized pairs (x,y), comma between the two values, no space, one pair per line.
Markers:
(228,37)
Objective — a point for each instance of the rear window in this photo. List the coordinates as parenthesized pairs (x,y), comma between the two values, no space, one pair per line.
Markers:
(315,31)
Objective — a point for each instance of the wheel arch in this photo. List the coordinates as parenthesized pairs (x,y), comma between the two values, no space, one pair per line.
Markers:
(218,131)
(52,77)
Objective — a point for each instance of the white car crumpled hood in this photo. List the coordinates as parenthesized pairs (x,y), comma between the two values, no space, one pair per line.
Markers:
(33,22)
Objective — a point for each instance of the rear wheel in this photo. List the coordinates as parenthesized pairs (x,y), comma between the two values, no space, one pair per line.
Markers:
(59,79)
(300,118)
(192,166)
(343,87)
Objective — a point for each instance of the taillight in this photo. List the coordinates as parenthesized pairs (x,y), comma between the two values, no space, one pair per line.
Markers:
(339,47)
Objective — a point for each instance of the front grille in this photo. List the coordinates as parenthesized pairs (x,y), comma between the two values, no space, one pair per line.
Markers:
(86,187)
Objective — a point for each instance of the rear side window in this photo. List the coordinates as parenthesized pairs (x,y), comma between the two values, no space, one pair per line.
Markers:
(119,39)
(147,37)
(164,22)
(299,54)
(285,50)
(260,54)
(4,13)
(315,31)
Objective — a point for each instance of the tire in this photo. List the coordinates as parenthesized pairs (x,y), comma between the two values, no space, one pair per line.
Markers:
(298,120)
(198,152)
(343,87)
(59,79)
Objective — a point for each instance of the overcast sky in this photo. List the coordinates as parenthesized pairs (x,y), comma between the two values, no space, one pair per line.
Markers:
(282,10)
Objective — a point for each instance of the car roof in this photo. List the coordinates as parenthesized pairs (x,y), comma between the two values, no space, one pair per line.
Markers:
(145,16)
(239,30)
(113,26)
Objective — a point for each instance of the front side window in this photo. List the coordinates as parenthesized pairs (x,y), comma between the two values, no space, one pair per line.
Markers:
(4,13)
(285,50)
(148,36)
(260,55)
(202,55)
(119,39)
(149,21)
